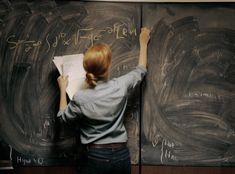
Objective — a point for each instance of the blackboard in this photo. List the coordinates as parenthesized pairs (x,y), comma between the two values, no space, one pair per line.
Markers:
(188,115)
(189,96)
(31,34)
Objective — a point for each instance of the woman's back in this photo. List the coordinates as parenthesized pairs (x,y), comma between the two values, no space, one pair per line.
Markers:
(101,109)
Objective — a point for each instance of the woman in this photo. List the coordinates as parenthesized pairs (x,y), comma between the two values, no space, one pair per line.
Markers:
(100,109)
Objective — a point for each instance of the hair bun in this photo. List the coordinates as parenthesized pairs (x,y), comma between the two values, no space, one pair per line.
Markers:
(91,79)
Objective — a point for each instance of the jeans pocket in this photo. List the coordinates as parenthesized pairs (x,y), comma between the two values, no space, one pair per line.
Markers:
(98,159)
(126,158)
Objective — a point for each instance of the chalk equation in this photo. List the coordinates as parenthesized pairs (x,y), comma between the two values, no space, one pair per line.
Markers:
(29,161)
(118,30)
(167,151)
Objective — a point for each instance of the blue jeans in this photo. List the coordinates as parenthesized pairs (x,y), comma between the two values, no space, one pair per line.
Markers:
(106,161)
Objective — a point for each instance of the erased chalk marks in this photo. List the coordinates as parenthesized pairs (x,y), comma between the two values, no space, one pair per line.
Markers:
(32,33)
(189,99)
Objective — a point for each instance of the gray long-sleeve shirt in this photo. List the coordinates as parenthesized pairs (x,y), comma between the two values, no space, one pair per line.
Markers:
(100,110)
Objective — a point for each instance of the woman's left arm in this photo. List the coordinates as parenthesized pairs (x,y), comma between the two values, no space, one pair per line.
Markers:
(67,111)
(63,83)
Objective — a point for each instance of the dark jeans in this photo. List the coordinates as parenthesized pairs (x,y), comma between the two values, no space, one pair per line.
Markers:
(106,161)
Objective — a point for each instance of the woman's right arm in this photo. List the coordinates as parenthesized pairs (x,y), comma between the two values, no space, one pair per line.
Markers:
(131,79)
(143,39)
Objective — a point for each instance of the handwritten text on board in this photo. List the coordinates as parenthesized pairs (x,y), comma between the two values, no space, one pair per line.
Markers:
(118,30)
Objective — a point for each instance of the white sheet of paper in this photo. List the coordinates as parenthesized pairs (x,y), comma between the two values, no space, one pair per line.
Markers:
(71,66)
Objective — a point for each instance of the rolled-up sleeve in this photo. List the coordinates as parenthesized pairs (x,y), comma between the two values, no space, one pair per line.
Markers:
(131,79)
(71,112)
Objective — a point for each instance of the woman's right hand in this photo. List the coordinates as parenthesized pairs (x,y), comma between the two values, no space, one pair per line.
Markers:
(144,36)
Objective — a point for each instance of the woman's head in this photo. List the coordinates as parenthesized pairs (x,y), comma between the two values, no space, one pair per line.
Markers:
(97,60)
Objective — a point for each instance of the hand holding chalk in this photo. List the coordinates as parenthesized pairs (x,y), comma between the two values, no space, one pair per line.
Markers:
(144,36)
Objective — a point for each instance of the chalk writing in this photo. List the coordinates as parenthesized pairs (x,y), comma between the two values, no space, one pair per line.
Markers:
(156,140)
(166,151)
(26,161)
(27,44)
(118,30)
(206,95)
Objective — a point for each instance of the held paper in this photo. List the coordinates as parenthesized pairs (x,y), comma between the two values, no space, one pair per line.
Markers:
(71,66)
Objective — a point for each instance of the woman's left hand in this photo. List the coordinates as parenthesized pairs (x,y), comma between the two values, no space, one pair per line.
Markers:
(62,82)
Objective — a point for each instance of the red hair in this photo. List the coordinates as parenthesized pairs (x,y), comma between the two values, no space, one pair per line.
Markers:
(97,60)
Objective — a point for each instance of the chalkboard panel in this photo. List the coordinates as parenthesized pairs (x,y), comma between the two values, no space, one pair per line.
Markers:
(189,96)
(31,34)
